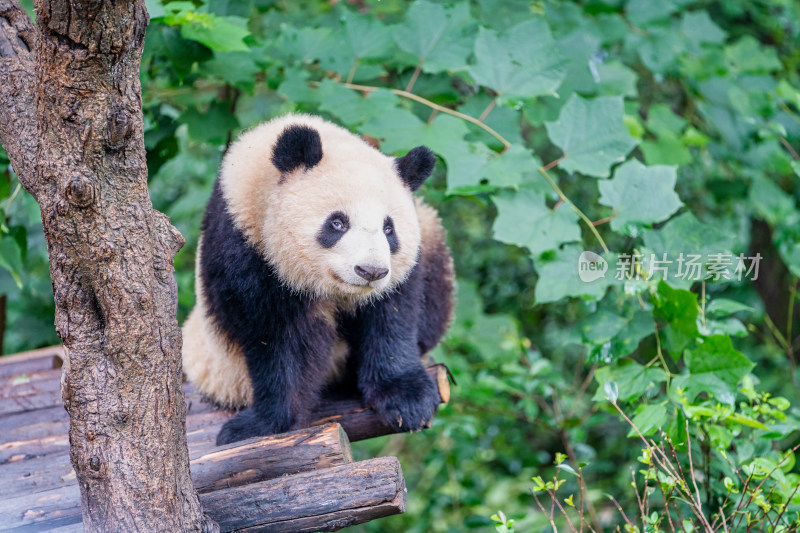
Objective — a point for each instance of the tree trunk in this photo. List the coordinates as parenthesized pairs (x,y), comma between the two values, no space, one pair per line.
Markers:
(71,122)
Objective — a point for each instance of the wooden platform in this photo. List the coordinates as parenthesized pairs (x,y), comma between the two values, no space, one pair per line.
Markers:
(300,481)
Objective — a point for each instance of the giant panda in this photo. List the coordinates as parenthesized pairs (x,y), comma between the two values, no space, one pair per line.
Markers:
(317,268)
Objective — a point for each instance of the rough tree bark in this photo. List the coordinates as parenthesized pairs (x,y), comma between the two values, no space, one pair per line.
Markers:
(71,122)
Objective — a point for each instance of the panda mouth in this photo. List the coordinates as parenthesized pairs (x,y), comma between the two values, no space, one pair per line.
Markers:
(361,286)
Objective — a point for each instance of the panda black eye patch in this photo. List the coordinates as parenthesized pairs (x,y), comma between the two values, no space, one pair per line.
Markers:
(335,226)
(391,235)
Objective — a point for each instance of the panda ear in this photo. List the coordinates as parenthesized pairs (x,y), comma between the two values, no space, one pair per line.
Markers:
(297,145)
(416,166)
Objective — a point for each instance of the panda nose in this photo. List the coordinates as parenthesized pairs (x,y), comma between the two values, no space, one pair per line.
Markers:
(371,273)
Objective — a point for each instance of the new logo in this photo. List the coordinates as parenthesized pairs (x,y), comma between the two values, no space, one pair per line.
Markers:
(591,267)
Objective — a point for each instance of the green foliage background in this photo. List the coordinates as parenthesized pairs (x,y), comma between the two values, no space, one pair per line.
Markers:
(619,127)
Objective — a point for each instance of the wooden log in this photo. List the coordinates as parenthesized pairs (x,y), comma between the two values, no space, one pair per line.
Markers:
(42,390)
(44,423)
(17,421)
(30,402)
(212,468)
(322,500)
(361,422)
(33,361)
(319,500)
(26,449)
(263,458)
(201,428)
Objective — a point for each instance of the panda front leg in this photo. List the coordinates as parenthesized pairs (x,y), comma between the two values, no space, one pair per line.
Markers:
(391,376)
(287,373)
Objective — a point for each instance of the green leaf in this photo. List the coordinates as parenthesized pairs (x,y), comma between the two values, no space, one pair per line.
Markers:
(724,307)
(748,55)
(601,326)
(689,244)
(11,258)
(221,34)
(771,202)
(237,68)
(790,254)
(437,36)
(661,119)
(559,278)
(466,161)
(732,327)
(523,219)
(350,106)
(640,195)
(614,78)
(592,135)
(678,308)
(295,86)
(659,48)
(396,128)
(645,12)
(668,149)
(611,390)
(632,379)
(525,62)
(628,339)
(649,419)
(367,36)
(213,125)
(698,27)
(514,167)
(714,367)
(263,104)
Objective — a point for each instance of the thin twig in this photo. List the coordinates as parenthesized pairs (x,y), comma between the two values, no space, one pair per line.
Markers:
(666,506)
(414,76)
(425,101)
(352,73)
(703,303)
(788,146)
(642,513)
(769,474)
(488,110)
(776,333)
(554,162)
(557,502)
(691,465)
(789,499)
(619,508)
(575,208)
(603,220)
(544,511)
(432,116)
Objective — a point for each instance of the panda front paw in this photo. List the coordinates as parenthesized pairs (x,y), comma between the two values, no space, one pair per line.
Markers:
(247,424)
(406,402)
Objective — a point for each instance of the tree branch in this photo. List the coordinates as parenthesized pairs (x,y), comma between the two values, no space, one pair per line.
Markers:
(18,38)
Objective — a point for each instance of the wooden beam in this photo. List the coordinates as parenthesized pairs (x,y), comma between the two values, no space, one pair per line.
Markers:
(323,500)
(262,458)
(37,412)
(212,467)
(320,500)
(361,422)
(33,361)
(201,428)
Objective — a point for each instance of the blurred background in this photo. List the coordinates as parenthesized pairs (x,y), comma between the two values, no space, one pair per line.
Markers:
(632,129)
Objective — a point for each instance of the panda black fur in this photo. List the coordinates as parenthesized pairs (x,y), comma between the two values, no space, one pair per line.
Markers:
(317,266)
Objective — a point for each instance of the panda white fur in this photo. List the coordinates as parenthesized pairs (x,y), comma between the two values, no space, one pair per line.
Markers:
(317,268)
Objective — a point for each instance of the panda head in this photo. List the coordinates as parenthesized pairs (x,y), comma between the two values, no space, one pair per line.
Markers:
(339,218)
